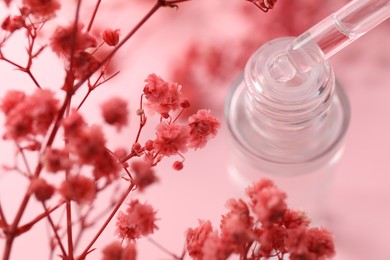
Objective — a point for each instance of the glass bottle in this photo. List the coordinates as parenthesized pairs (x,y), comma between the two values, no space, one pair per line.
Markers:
(289,131)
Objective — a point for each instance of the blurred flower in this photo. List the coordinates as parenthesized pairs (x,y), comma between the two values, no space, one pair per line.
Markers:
(138,220)
(115,251)
(115,112)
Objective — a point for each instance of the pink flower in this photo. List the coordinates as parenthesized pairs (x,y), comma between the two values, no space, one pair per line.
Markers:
(162,96)
(43,108)
(236,227)
(171,138)
(56,160)
(18,123)
(84,64)
(13,23)
(61,41)
(11,99)
(111,37)
(26,115)
(89,144)
(78,188)
(42,8)
(312,244)
(196,237)
(115,112)
(144,174)
(115,251)
(294,219)
(73,124)
(138,220)
(203,127)
(267,201)
(41,189)
(105,165)
(214,248)
(272,238)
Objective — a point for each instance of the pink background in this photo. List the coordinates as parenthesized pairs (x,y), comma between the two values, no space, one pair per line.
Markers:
(358,202)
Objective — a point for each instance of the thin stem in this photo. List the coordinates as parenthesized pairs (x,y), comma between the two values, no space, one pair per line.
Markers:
(108,220)
(93,15)
(55,231)
(69,229)
(162,248)
(74,39)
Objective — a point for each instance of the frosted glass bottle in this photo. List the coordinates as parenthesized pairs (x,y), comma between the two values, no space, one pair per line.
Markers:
(291,132)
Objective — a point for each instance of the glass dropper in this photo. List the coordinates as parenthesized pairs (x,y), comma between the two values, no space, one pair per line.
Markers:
(328,37)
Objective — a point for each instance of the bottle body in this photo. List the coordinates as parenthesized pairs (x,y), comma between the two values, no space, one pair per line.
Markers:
(291,132)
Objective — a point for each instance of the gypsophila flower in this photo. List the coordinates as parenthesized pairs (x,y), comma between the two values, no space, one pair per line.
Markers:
(106,166)
(56,160)
(267,201)
(13,23)
(203,127)
(42,8)
(41,189)
(78,188)
(144,175)
(115,251)
(84,64)
(61,41)
(171,139)
(111,37)
(73,124)
(11,99)
(162,97)
(88,144)
(138,220)
(115,112)
(196,237)
(28,114)
(236,226)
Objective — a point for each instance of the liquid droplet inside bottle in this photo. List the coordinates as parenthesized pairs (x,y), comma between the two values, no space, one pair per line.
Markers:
(281,69)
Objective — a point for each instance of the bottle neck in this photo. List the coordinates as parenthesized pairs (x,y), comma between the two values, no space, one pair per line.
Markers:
(286,106)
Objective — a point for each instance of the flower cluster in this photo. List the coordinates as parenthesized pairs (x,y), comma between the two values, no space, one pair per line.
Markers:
(262,228)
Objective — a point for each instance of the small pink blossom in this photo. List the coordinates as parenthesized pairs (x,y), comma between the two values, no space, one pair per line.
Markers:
(236,226)
(42,8)
(11,99)
(43,108)
(84,64)
(89,144)
(28,115)
(162,96)
(138,220)
(171,138)
(115,251)
(115,112)
(214,248)
(41,189)
(144,175)
(105,165)
(73,124)
(61,41)
(203,127)
(56,160)
(267,201)
(111,37)
(196,237)
(78,188)
(13,23)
